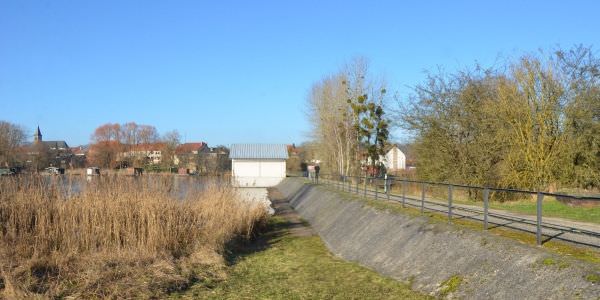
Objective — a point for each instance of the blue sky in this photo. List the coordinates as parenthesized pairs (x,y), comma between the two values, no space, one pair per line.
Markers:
(226,71)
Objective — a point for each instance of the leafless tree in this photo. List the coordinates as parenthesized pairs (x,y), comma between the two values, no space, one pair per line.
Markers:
(11,138)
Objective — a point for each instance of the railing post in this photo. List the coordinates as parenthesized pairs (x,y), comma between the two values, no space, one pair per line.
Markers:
(450,187)
(375,180)
(349,183)
(357,183)
(365,190)
(486,206)
(388,185)
(404,183)
(423,198)
(538,234)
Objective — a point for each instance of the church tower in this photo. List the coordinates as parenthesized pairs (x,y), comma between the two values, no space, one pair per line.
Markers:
(37,137)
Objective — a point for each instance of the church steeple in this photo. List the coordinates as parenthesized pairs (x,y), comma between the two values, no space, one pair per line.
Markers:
(37,137)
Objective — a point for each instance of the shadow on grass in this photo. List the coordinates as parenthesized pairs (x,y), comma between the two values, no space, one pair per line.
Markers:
(277,227)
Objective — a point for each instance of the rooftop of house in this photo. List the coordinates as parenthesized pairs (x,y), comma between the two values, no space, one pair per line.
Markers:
(56,144)
(190,147)
(147,147)
(258,151)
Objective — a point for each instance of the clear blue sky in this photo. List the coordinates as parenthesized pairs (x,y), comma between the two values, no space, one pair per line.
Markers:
(226,72)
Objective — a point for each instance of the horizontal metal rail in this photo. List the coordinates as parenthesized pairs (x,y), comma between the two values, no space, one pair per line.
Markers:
(395,179)
(463,210)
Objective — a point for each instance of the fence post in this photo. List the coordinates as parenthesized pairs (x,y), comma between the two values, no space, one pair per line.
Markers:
(486,206)
(375,180)
(348,184)
(404,183)
(423,198)
(388,185)
(357,183)
(365,190)
(450,187)
(538,234)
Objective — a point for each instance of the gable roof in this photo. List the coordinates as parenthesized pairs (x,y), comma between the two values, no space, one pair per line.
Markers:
(56,144)
(258,151)
(148,147)
(189,147)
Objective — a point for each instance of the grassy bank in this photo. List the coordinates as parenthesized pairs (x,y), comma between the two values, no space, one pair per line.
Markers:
(552,208)
(583,253)
(114,237)
(519,203)
(288,267)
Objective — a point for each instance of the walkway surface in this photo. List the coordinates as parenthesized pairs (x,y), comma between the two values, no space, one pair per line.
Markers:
(581,233)
(296,226)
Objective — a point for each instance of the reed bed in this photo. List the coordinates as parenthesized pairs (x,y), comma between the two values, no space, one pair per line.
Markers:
(115,237)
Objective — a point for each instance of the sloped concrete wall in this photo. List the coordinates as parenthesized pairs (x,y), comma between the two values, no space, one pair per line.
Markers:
(427,254)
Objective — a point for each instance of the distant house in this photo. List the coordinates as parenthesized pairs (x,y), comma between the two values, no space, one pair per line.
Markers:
(186,155)
(258,165)
(79,156)
(150,152)
(394,159)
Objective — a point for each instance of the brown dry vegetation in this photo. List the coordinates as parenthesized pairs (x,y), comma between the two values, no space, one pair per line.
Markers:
(116,237)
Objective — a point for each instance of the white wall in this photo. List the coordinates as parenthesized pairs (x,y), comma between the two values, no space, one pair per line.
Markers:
(395,159)
(257,173)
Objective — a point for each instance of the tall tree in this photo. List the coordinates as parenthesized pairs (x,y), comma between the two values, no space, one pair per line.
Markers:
(171,140)
(334,122)
(371,127)
(531,124)
(11,138)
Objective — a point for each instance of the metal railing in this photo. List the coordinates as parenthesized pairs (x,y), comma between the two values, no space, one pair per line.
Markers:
(384,188)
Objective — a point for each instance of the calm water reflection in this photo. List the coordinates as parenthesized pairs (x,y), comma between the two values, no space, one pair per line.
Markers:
(179,186)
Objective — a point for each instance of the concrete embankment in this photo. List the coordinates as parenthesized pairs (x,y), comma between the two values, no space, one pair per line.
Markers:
(438,258)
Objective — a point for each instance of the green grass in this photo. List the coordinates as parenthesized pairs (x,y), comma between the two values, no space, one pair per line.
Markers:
(451,285)
(552,208)
(593,278)
(299,268)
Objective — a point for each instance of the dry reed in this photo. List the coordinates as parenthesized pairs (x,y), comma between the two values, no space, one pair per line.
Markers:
(114,236)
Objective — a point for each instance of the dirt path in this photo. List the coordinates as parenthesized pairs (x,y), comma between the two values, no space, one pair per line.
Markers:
(281,204)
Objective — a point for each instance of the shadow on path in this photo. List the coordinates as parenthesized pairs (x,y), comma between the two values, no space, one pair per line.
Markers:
(286,222)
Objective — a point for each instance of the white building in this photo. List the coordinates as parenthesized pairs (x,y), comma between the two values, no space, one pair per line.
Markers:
(258,165)
(394,159)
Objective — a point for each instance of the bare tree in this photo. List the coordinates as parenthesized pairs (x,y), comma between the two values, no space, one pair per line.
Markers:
(147,134)
(11,138)
(533,124)
(334,122)
(171,140)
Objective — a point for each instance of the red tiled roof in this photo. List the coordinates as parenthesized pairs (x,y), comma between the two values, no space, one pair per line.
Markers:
(148,147)
(189,147)
(78,150)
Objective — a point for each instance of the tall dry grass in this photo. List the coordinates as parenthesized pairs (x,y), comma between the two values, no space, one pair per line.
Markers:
(114,236)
